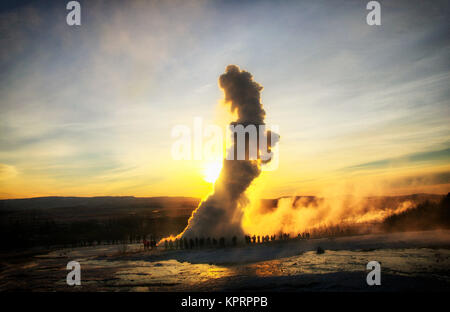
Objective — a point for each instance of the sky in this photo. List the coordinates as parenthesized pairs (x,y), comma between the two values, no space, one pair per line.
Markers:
(88,110)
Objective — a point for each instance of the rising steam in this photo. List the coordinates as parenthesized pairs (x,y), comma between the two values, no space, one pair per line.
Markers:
(220,215)
(228,212)
(299,214)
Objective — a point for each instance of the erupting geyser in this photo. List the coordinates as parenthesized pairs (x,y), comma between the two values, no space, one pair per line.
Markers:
(220,215)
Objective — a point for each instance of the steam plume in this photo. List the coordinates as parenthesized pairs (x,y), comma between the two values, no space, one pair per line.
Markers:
(221,213)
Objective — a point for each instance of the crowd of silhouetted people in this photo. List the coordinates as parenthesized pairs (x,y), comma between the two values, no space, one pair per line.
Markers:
(281,237)
(211,242)
(191,243)
(149,244)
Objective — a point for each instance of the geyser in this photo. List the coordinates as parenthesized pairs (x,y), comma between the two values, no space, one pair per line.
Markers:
(220,214)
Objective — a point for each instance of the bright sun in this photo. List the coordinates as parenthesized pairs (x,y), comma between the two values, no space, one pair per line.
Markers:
(211,171)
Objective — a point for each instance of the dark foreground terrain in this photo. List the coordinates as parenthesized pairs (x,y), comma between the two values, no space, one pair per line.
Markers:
(412,261)
(38,237)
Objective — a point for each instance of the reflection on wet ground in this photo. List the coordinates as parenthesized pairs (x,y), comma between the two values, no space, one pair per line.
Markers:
(408,262)
(104,268)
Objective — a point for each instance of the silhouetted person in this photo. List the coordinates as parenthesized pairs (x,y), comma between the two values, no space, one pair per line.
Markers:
(254,239)
(258,239)
(222,242)
(234,240)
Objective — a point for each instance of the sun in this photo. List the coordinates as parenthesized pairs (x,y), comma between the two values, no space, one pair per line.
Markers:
(211,171)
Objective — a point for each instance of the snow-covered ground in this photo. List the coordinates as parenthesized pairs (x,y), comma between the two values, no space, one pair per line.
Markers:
(283,249)
(409,261)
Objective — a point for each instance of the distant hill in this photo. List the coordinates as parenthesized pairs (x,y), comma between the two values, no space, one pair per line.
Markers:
(112,201)
(426,215)
(83,208)
(67,209)
(78,221)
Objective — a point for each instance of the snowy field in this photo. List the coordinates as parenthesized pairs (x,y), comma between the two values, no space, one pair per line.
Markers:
(410,261)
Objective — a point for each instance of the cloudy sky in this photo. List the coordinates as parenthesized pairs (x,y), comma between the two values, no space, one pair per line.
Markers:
(88,110)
